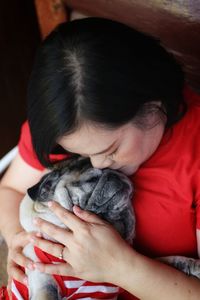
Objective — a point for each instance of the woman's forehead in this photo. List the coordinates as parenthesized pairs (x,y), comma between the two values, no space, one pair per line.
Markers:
(90,140)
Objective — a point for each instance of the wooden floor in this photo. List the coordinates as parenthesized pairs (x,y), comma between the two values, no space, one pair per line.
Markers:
(19,38)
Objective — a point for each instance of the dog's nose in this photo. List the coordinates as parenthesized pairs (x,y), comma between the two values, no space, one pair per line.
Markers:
(33,191)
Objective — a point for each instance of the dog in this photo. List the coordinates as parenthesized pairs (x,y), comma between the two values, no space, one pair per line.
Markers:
(105,192)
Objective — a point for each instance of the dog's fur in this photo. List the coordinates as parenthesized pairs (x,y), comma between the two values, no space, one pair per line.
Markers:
(106,192)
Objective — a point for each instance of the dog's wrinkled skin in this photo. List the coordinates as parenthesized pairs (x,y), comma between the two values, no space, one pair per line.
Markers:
(106,192)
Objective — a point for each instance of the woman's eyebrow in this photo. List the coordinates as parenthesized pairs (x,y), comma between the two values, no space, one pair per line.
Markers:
(105,150)
(101,152)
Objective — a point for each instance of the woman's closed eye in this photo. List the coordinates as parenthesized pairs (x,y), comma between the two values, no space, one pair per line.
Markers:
(104,156)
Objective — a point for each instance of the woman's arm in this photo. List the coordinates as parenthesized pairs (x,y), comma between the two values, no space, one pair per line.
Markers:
(95,251)
(151,280)
(13,186)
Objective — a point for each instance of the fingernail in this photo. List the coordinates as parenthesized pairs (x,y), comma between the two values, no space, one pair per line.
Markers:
(50,203)
(39,234)
(78,209)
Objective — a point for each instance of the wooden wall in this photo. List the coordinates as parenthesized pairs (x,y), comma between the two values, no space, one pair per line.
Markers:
(176,23)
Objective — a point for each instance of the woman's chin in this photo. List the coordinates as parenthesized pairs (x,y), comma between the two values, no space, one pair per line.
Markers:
(128,170)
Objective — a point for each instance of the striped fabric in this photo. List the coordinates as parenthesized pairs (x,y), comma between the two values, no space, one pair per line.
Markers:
(71,288)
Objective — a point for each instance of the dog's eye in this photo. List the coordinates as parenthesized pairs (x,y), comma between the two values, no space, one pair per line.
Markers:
(45,190)
(90,181)
(93,180)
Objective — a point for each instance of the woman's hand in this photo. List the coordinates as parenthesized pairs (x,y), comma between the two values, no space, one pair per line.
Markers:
(93,248)
(16,258)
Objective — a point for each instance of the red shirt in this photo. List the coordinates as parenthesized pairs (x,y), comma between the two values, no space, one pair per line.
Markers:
(167,188)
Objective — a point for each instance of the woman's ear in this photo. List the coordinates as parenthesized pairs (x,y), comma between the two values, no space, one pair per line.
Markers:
(151,114)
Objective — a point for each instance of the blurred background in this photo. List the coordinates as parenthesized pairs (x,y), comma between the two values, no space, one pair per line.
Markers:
(19,38)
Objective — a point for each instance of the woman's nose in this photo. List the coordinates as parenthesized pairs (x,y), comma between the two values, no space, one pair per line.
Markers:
(101,163)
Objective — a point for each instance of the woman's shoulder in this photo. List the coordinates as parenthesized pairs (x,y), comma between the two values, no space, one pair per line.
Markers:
(27,152)
(25,148)
(191,97)
(191,121)
(189,124)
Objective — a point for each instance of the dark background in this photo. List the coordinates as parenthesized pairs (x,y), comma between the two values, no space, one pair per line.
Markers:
(19,39)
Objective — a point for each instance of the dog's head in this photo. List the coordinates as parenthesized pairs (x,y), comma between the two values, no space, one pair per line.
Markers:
(105,192)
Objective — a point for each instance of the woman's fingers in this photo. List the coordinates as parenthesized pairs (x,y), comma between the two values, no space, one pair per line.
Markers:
(9,287)
(50,247)
(66,216)
(16,252)
(15,272)
(20,259)
(87,216)
(16,258)
(21,239)
(59,234)
(60,269)
(70,219)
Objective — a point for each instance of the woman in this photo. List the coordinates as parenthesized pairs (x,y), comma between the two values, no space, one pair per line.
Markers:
(102,90)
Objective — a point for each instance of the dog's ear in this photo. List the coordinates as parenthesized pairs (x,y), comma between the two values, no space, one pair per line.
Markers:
(109,184)
(111,200)
(44,189)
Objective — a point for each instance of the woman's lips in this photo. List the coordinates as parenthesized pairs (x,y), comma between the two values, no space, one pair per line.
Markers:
(128,170)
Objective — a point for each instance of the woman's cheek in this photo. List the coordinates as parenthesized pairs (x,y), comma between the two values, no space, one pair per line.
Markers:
(128,157)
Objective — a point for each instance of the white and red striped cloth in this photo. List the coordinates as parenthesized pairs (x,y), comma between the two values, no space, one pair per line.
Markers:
(71,288)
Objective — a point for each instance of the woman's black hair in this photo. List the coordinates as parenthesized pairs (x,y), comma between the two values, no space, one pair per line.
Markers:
(100,71)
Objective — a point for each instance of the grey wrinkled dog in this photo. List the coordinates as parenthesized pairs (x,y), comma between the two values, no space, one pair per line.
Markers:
(105,192)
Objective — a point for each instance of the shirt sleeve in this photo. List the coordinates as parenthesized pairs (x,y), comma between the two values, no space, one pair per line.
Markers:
(193,99)
(197,198)
(26,148)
